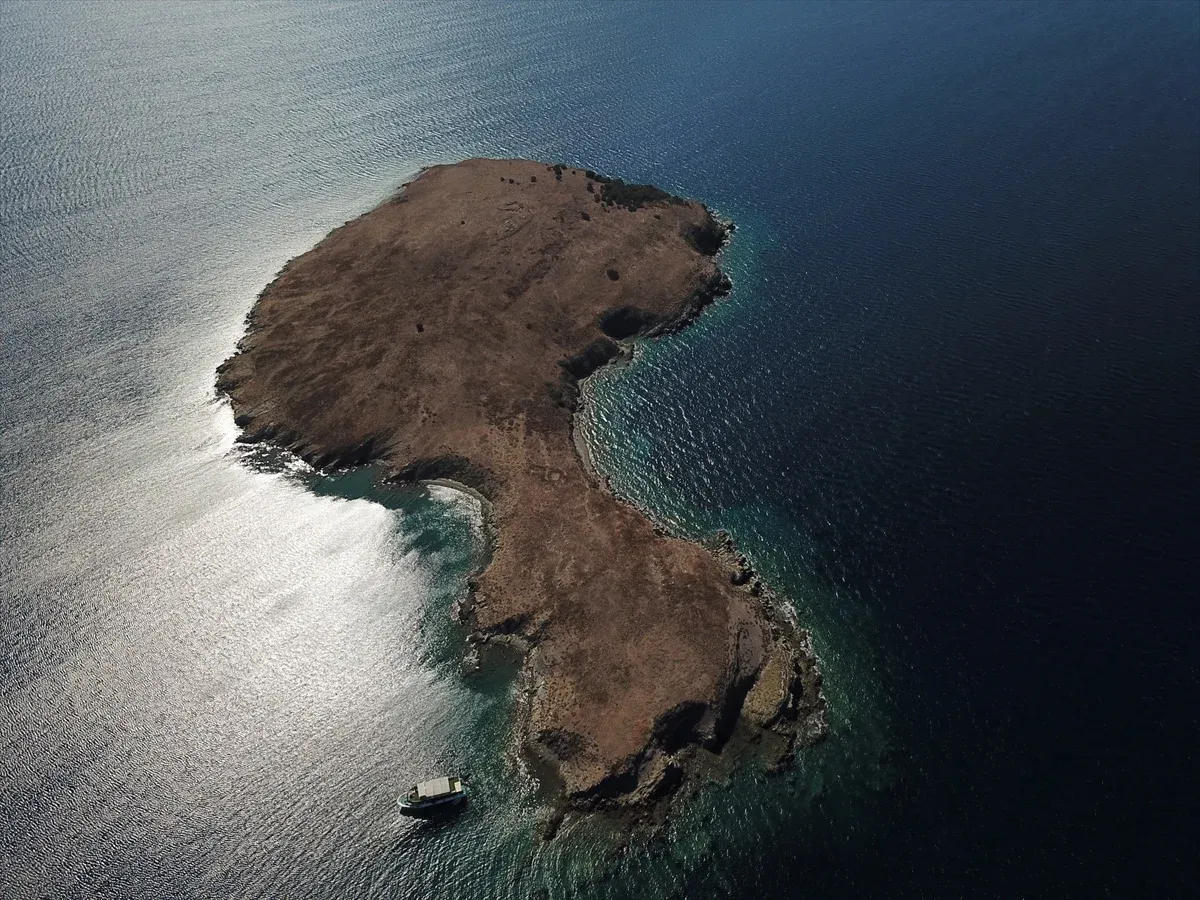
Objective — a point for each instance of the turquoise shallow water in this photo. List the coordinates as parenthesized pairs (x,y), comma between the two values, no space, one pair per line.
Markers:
(949,409)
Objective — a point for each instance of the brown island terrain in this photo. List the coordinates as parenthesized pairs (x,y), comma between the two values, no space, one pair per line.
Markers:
(444,335)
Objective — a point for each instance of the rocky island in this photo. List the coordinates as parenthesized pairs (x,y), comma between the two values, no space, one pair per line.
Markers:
(444,335)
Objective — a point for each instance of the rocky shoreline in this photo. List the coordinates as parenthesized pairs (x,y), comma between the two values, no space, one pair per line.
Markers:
(426,336)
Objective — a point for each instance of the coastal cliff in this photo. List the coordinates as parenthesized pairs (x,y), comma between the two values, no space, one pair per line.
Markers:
(444,335)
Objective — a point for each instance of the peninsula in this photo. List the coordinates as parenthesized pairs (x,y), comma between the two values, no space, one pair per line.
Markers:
(444,335)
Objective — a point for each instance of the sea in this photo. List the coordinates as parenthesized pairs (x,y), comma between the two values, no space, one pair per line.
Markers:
(951,409)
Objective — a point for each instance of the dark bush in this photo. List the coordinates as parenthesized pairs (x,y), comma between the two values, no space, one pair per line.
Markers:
(627,321)
(533,178)
(633,196)
(455,468)
(706,238)
(594,355)
(585,217)
(613,274)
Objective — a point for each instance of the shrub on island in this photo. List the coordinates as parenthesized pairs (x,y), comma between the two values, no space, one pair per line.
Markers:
(633,196)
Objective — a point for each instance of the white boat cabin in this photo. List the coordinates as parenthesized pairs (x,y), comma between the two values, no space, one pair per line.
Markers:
(437,788)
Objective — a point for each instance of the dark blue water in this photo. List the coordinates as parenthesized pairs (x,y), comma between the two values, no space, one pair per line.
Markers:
(951,408)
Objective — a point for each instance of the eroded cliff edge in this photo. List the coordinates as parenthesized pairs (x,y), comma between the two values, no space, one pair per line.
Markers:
(444,334)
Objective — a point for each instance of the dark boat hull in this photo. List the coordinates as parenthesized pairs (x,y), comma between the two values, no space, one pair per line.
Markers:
(434,808)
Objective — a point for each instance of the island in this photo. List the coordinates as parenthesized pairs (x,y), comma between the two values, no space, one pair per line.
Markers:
(443,336)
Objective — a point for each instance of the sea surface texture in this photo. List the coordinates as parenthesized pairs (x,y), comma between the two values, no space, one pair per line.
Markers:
(951,409)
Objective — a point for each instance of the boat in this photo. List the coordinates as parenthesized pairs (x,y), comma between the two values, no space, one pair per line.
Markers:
(429,795)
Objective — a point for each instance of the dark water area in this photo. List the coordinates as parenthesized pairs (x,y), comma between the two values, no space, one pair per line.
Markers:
(951,409)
